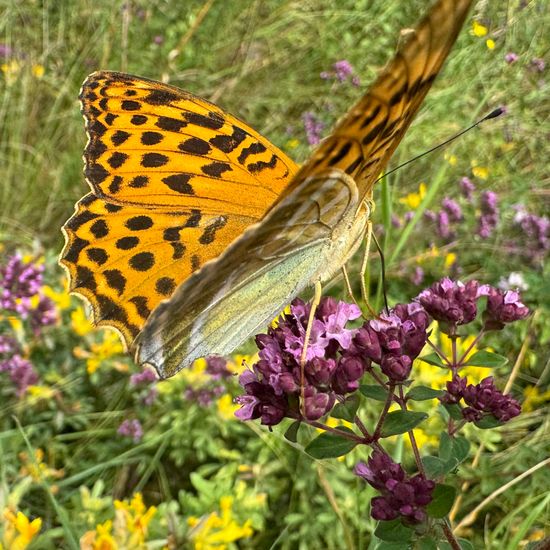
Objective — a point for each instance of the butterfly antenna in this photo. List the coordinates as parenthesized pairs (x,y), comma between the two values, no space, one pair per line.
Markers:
(383,270)
(493,114)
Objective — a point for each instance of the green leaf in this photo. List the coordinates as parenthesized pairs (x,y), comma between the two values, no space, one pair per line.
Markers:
(329,445)
(454,410)
(442,502)
(488,422)
(461,449)
(423,393)
(292,432)
(445,446)
(393,531)
(486,359)
(434,359)
(374,392)
(434,466)
(383,545)
(399,422)
(347,409)
(426,543)
(464,545)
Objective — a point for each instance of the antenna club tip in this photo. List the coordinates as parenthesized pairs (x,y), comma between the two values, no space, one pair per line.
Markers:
(501,110)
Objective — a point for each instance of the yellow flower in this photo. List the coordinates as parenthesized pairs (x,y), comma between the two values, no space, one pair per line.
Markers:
(413,200)
(478,29)
(61,299)
(11,70)
(80,323)
(107,348)
(292,143)
(450,259)
(480,172)
(451,159)
(40,392)
(533,399)
(36,468)
(237,363)
(214,531)
(490,43)
(196,375)
(100,539)
(134,517)
(38,70)
(226,407)
(19,531)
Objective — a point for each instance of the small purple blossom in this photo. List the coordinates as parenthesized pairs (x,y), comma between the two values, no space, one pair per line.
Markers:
(484,398)
(144,378)
(394,340)
(8,345)
(467,188)
(342,69)
(131,428)
(19,281)
(21,372)
(44,314)
(402,496)
(333,364)
(511,57)
(313,126)
(418,276)
(452,208)
(538,64)
(536,230)
(503,307)
(452,302)
(216,367)
(489,214)
(158,39)
(443,226)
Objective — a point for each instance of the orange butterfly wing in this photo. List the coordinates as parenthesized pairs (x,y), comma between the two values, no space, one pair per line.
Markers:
(174,180)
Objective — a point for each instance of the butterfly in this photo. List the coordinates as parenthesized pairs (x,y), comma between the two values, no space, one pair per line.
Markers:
(197,230)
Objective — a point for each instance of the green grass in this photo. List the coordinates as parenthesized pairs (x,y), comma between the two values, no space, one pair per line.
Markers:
(261,61)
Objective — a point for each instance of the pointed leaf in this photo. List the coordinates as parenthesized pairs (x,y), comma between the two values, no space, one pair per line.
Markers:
(433,359)
(423,393)
(292,432)
(442,502)
(329,445)
(393,531)
(486,359)
(347,409)
(374,392)
(488,422)
(434,466)
(399,422)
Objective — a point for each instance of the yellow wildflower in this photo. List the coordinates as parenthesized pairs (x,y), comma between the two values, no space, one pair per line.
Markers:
(36,468)
(214,532)
(533,399)
(490,43)
(196,375)
(413,200)
(478,29)
(450,259)
(226,407)
(451,159)
(19,531)
(237,363)
(61,299)
(10,70)
(480,172)
(37,70)
(292,143)
(134,517)
(107,348)
(80,323)
(100,539)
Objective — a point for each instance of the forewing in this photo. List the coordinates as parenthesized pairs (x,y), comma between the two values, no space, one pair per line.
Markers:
(364,140)
(175,179)
(154,144)
(231,297)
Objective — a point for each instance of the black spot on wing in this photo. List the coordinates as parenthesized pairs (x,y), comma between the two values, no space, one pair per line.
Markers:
(161,97)
(153,160)
(139,223)
(78,220)
(127,243)
(114,186)
(130,105)
(117,159)
(115,279)
(99,229)
(119,137)
(194,146)
(170,124)
(179,250)
(110,118)
(151,138)
(84,278)
(138,120)
(165,286)
(229,143)
(262,165)
(139,181)
(252,149)
(97,255)
(194,219)
(142,261)
(141,306)
(213,121)
(179,183)
(216,169)
(209,233)
(76,247)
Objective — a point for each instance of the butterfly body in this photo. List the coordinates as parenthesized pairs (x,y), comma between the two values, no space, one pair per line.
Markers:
(198,231)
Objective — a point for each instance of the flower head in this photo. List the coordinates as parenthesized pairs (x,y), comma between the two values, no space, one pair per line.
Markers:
(131,428)
(511,57)
(402,496)
(313,126)
(503,307)
(467,188)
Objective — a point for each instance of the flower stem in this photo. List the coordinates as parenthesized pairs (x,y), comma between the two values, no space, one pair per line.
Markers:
(335,431)
(439,352)
(449,535)
(376,435)
(470,347)
(410,433)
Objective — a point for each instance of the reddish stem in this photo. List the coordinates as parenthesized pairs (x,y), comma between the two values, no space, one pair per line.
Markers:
(376,435)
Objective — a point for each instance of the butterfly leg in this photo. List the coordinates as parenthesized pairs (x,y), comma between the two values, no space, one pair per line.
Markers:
(314,303)
(348,286)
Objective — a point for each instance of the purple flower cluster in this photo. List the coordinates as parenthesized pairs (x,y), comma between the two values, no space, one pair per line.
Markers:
(503,307)
(467,188)
(449,213)
(333,365)
(452,302)
(21,372)
(482,399)
(19,282)
(131,428)
(394,340)
(313,127)
(488,220)
(144,378)
(216,369)
(341,71)
(402,496)
(536,229)
(511,57)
